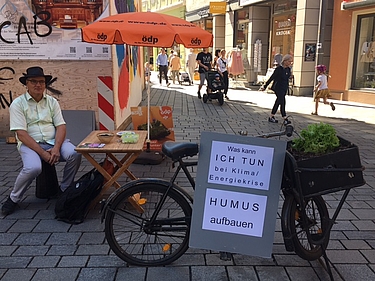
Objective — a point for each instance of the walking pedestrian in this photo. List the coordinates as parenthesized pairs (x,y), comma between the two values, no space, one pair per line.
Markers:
(147,72)
(191,63)
(216,57)
(221,64)
(170,57)
(37,121)
(162,63)
(280,79)
(204,60)
(175,65)
(321,90)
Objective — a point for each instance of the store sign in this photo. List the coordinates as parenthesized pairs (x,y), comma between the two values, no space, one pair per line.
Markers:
(249,2)
(204,13)
(283,28)
(218,7)
(237,193)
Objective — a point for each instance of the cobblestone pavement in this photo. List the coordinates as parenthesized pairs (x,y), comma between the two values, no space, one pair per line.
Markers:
(35,246)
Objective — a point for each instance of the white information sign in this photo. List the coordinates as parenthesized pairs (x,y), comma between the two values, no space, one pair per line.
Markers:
(242,165)
(237,194)
(234,212)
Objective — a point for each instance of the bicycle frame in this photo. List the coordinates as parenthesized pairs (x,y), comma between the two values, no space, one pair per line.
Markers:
(183,165)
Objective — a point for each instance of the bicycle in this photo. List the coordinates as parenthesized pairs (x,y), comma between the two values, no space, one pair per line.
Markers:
(158,232)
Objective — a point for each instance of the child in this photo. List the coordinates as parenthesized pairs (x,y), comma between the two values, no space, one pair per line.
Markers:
(147,72)
(216,83)
(321,89)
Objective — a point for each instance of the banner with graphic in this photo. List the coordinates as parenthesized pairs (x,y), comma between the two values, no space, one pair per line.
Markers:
(161,124)
(50,30)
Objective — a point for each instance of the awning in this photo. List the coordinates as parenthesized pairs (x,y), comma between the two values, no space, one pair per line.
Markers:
(345,5)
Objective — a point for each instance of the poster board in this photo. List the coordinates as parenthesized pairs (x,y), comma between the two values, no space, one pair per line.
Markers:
(50,30)
(237,193)
(161,122)
(310,51)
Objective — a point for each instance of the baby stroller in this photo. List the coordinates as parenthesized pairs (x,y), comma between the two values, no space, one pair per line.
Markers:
(215,87)
(184,78)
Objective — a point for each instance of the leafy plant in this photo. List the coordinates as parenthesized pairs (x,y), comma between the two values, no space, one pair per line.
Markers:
(317,139)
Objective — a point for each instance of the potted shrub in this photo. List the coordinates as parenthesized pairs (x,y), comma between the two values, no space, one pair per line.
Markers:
(324,161)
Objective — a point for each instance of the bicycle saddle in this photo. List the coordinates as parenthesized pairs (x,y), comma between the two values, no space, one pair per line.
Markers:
(177,150)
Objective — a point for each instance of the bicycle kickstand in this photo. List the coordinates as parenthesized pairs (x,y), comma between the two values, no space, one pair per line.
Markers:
(327,265)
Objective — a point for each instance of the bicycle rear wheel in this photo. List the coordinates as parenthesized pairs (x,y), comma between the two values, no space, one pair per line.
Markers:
(317,225)
(134,239)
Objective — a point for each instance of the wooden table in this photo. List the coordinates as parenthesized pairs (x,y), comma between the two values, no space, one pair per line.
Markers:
(130,151)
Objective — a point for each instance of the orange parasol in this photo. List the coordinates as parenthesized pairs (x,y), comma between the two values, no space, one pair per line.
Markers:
(146,29)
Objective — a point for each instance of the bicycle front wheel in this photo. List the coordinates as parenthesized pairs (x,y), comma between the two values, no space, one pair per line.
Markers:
(316,225)
(137,237)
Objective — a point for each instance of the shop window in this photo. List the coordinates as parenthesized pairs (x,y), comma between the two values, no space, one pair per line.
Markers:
(241,29)
(283,34)
(364,62)
(240,42)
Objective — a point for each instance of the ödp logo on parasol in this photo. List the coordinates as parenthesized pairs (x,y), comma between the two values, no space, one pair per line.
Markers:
(150,39)
(196,41)
(101,36)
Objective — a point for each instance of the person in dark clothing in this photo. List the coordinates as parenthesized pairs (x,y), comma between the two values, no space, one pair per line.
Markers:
(280,78)
(204,60)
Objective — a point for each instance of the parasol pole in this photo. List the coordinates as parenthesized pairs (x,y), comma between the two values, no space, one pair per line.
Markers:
(148,117)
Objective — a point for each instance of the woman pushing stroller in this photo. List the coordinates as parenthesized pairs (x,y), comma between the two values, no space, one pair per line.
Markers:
(221,64)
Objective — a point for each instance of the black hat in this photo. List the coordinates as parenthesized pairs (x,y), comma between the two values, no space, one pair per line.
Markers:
(34,71)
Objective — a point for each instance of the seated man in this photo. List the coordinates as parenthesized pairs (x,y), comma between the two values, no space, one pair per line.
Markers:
(40,129)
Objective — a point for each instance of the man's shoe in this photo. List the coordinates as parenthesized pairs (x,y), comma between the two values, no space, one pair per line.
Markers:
(272,120)
(8,207)
(286,121)
(199,95)
(168,84)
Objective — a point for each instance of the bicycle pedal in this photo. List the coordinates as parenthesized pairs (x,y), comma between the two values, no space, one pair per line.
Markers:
(166,247)
(102,204)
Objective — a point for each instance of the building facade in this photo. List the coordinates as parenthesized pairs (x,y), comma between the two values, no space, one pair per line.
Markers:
(174,8)
(263,31)
(352,66)
(339,34)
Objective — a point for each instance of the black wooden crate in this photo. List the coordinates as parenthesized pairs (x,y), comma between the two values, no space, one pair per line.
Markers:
(331,172)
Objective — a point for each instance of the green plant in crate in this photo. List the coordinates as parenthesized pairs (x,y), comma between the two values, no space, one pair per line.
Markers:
(317,139)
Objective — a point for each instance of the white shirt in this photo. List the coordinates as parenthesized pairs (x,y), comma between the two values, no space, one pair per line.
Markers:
(39,119)
(322,78)
(222,64)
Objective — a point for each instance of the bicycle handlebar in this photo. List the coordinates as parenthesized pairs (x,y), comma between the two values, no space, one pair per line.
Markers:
(289,130)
